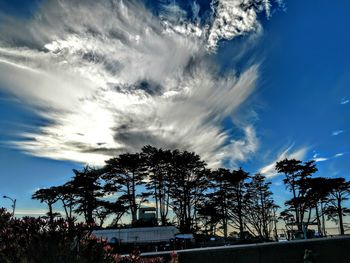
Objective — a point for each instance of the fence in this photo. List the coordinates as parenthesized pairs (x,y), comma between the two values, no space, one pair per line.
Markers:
(323,250)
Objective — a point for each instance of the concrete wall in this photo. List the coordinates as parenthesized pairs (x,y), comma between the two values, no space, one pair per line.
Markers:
(327,250)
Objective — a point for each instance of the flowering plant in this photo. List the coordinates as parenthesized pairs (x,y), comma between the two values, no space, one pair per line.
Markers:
(37,240)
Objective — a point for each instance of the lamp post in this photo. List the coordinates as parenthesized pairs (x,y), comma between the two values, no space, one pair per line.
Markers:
(13,204)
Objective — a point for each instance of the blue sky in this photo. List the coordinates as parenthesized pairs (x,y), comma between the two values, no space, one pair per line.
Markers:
(72,86)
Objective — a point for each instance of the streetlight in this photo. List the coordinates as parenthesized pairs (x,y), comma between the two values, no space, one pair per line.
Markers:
(13,204)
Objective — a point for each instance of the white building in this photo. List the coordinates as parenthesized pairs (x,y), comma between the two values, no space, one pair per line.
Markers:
(138,235)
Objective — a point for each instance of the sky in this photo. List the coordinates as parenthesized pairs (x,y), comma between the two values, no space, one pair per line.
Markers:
(242,83)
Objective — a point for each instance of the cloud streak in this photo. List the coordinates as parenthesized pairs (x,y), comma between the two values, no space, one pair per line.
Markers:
(289,153)
(323,159)
(344,101)
(337,132)
(117,78)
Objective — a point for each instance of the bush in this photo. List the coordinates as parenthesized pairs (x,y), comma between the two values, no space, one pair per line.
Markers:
(35,240)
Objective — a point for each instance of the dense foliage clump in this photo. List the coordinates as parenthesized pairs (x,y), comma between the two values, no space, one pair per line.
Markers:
(40,240)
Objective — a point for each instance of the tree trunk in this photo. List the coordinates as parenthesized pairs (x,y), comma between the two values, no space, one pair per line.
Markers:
(240,220)
(158,203)
(318,219)
(224,225)
(90,218)
(296,208)
(50,214)
(340,216)
(323,221)
(133,200)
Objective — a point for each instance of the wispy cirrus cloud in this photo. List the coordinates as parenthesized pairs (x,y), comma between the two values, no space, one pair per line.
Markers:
(317,158)
(339,154)
(117,78)
(320,159)
(337,132)
(344,101)
(290,153)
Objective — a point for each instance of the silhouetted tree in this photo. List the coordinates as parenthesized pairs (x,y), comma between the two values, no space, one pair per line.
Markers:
(87,189)
(296,174)
(66,193)
(339,192)
(126,172)
(317,191)
(48,196)
(160,170)
(199,198)
(260,209)
(221,196)
(238,199)
(209,215)
(106,208)
(118,209)
(187,188)
(289,219)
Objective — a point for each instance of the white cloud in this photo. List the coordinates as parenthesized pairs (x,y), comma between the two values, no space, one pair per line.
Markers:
(341,154)
(320,159)
(344,101)
(232,18)
(241,149)
(117,78)
(298,154)
(317,158)
(337,132)
(238,17)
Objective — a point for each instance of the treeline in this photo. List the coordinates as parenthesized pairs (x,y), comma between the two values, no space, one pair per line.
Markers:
(196,199)
(313,198)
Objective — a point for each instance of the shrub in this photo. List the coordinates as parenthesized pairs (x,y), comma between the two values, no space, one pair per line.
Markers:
(36,240)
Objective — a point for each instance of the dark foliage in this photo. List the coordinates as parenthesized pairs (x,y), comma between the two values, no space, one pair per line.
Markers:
(36,240)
